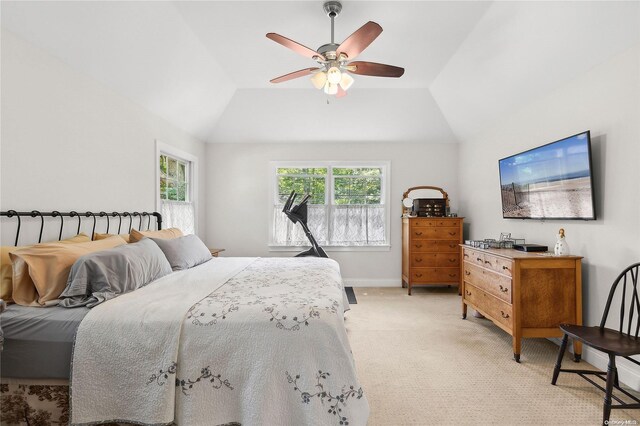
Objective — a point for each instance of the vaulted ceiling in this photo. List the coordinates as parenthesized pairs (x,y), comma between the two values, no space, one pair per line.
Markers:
(206,66)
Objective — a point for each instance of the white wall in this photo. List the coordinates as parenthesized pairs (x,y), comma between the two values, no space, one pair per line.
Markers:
(238,201)
(605,100)
(69,143)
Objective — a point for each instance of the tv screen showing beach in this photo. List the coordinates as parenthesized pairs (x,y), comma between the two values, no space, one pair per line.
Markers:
(549,182)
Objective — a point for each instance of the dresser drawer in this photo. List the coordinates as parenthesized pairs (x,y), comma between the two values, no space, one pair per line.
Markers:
(434,275)
(497,309)
(489,281)
(448,233)
(486,260)
(435,259)
(449,222)
(421,233)
(435,233)
(422,222)
(420,246)
(473,256)
(499,264)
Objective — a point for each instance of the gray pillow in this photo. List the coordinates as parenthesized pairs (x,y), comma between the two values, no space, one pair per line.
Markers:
(103,275)
(184,252)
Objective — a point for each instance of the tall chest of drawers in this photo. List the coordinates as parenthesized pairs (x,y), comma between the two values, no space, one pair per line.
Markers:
(525,294)
(431,251)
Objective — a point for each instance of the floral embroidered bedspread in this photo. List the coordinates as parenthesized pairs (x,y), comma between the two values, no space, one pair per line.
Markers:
(233,341)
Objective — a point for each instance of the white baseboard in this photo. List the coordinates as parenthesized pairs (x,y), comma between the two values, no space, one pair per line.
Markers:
(372,282)
(628,372)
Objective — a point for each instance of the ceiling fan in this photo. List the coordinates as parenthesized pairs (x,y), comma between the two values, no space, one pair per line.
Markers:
(336,60)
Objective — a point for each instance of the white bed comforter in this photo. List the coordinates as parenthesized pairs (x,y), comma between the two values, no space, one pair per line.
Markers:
(235,340)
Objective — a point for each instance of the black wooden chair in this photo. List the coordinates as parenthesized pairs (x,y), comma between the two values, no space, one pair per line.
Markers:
(613,343)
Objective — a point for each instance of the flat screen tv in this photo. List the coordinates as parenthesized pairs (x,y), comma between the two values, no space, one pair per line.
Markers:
(553,181)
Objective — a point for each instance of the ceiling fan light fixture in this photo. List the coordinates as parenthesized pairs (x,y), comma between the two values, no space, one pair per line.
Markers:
(334,75)
(346,81)
(319,79)
(330,89)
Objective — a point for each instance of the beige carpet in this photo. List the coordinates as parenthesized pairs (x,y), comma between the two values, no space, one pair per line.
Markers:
(419,363)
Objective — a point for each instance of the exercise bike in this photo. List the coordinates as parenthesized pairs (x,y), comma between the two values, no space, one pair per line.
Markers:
(298,214)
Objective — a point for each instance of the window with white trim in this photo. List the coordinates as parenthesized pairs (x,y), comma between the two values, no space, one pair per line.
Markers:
(175,192)
(348,206)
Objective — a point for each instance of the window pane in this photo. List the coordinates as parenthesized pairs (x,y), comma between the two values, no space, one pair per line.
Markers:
(163,166)
(342,187)
(302,171)
(172,168)
(313,186)
(182,172)
(181,187)
(361,171)
(373,200)
(373,186)
(357,190)
(163,188)
(172,190)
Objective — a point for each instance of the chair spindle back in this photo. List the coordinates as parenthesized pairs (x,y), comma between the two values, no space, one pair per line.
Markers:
(627,279)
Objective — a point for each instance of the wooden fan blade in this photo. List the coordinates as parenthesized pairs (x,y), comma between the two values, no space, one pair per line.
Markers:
(360,40)
(295,46)
(374,69)
(295,74)
(341,92)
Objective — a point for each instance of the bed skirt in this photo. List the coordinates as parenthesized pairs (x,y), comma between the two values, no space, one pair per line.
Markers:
(26,401)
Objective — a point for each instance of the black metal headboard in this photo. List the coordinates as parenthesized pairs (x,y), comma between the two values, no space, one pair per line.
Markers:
(80,216)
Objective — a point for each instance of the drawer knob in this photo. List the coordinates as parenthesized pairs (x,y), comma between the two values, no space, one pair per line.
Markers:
(467,292)
(487,262)
(466,255)
(418,275)
(452,260)
(505,268)
(504,289)
(479,259)
(452,233)
(418,260)
(452,245)
(418,245)
(418,233)
(452,275)
(504,315)
(467,273)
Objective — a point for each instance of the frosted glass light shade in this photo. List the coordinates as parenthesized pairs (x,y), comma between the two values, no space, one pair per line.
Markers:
(319,79)
(334,75)
(330,89)
(346,81)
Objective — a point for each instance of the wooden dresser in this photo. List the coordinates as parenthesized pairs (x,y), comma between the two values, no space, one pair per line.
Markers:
(525,294)
(430,251)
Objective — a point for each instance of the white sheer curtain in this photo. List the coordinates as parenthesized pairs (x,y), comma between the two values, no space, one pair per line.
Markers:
(178,214)
(286,233)
(357,225)
(349,225)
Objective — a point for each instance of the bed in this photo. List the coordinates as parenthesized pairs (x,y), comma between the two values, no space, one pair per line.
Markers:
(248,341)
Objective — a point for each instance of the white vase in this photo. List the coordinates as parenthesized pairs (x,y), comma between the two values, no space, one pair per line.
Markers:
(561,248)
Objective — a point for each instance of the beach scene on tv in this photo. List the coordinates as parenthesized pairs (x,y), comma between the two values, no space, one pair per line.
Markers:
(552,181)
